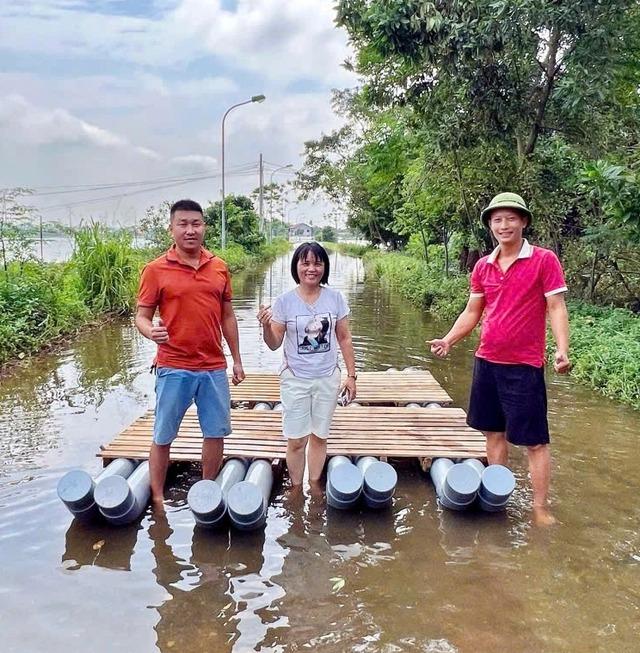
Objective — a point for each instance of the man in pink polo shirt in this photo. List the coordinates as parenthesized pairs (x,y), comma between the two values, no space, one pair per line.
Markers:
(515,288)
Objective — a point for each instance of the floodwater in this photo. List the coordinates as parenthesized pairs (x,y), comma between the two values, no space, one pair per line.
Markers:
(414,578)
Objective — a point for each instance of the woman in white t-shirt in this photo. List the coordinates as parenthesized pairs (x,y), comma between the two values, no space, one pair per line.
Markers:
(313,322)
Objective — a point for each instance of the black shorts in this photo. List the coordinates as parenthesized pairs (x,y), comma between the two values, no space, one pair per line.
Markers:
(511,399)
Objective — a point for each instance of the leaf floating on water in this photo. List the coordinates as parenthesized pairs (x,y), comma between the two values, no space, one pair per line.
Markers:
(338,583)
(98,545)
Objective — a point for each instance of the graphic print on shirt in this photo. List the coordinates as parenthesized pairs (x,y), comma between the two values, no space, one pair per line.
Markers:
(313,333)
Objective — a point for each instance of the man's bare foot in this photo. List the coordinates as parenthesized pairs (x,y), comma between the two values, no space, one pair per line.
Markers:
(316,489)
(542,516)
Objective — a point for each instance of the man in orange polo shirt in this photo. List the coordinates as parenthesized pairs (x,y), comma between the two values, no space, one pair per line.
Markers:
(191,289)
(515,288)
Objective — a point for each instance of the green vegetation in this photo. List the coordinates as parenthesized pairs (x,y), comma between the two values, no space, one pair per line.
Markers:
(350,249)
(462,100)
(38,303)
(421,283)
(605,351)
(107,270)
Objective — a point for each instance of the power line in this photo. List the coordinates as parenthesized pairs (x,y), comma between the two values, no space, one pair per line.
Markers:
(94,200)
(59,190)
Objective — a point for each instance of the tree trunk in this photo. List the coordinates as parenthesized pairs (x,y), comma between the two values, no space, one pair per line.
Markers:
(544,92)
(425,245)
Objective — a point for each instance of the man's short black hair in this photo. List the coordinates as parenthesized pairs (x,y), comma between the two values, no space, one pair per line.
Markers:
(185,205)
(318,252)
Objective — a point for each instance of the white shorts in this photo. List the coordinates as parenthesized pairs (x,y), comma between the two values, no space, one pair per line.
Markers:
(308,404)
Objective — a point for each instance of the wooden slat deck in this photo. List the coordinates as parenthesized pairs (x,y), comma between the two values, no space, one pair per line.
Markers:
(373,388)
(380,431)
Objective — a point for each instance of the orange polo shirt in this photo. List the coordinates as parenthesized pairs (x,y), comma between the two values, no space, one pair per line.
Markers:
(190,305)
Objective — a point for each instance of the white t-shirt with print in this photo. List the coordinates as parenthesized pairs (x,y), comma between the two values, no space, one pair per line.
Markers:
(310,344)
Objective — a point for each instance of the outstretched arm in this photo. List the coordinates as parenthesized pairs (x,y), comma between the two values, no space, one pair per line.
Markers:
(462,327)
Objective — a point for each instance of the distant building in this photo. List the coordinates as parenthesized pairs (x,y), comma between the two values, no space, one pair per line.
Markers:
(300,231)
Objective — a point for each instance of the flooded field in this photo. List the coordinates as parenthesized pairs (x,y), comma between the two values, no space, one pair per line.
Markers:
(410,579)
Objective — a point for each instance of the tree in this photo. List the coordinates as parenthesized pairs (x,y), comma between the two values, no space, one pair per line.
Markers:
(243,223)
(498,69)
(15,244)
(327,234)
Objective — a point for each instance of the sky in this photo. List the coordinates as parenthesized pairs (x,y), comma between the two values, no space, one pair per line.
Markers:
(112,92)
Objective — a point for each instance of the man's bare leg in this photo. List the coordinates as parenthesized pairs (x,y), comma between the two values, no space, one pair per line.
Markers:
(317,457)
(497,447)
(212,452)
(295,458)
(158,465)
(540,473)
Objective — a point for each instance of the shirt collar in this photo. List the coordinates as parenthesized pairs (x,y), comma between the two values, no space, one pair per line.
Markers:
(526,251)
(205,255)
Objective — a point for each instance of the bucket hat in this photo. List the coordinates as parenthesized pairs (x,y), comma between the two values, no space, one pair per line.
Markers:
(505,201)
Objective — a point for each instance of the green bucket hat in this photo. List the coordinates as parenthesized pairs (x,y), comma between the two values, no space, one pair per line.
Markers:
(505,201)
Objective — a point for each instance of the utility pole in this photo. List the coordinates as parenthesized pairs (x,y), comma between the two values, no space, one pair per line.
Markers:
(261,196)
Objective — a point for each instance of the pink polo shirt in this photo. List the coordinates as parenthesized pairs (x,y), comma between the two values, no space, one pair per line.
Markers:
(514,321)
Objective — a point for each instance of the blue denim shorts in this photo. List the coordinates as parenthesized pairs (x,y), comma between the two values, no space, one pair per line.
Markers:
(177,389)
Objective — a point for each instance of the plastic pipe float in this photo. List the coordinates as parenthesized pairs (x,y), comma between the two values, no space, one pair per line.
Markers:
(248,500)
(262,405)
(122,501)
(380,480)
(344,483)
(208,499)
(278,407)
(413,404)
(76,488)
(432,404)
(498,483)
(391,369)
(456,485)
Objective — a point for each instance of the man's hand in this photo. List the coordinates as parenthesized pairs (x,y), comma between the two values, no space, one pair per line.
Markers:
(439,347)
(238,374)
(159,333)
(561,363)
(264,315)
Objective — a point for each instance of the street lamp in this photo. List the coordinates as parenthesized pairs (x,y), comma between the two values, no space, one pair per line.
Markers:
(223,226)
(289,165)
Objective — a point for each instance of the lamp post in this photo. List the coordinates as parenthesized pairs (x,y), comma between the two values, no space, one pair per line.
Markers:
(289,165)
(223,225)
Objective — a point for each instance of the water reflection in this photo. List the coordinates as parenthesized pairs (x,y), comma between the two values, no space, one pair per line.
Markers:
(99,544)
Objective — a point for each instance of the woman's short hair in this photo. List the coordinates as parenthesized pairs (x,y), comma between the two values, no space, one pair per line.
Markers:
(318,252)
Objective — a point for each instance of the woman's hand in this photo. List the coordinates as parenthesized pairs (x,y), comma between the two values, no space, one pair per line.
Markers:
(264,315)
(349,386)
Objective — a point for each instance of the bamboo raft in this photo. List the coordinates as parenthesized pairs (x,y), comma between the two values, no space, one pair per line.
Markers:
(383,388)
(380,430)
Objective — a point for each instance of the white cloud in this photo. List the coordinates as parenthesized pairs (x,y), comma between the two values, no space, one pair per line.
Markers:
(159,115)
(279,39)
(23,122)
(194,163)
